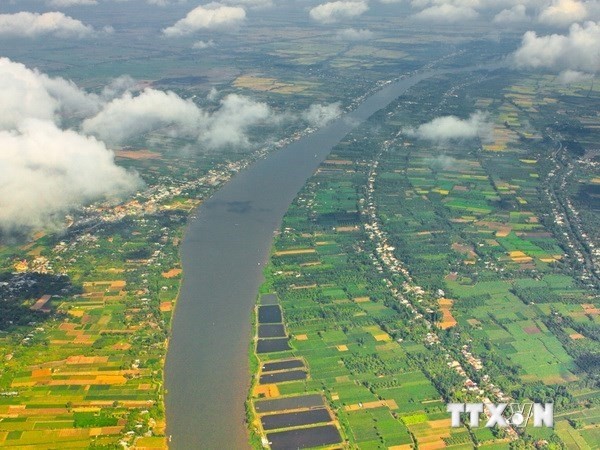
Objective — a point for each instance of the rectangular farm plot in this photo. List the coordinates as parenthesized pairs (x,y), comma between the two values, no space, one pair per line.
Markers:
(269,299)
(570,436)
(269,314)
(304,438)
(289,403)
(272,345)
(411,395)
(438,434)
(280,377)
(540,354)
(300,251)
(271,330)
(369,425)
(282,365)
(295,419)
(350,393)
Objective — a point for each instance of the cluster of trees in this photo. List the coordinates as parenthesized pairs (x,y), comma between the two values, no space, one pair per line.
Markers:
(537,295)
(448,383)
(360,363)
(585,352)
(16,288)
(541,393)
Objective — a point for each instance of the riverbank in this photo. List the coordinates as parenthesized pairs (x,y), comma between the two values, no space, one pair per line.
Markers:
(223,254)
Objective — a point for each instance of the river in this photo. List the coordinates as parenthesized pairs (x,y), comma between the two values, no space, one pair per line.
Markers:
(223,254)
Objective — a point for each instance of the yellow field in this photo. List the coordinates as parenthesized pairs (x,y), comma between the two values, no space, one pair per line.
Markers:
(137,154)
(265,84)
(349,229)
(391,404)
(520,257)
(266,390)
(502,136)
(301,251)
(166,306)
(172,273)
(448,319)
(431,434)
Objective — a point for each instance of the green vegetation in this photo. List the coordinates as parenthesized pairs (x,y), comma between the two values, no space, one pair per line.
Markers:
(83,366)
(412,273)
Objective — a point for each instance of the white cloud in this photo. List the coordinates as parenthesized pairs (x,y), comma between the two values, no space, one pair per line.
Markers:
(563,13)
(335,11)
(29,94)
(319,115)
(129,116)
(201,45)
(119,86)
(448,128)
(23,96)
(29,24)
(457,3)
(47,171)
(67,3)
(353,34)
(230,123)
(213,94)
(547,12)
(117,114)
(74,103)
(446,13)
(516,14)
(213,16)
(578,51)
(573,76)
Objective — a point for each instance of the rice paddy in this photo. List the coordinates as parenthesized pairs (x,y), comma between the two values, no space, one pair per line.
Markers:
(466,222)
